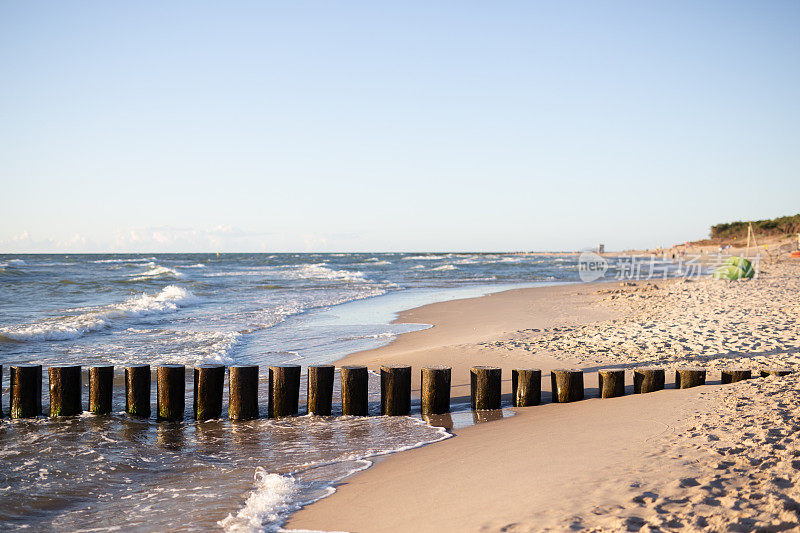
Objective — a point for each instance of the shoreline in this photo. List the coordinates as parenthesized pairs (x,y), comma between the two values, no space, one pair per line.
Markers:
(453,324)
(605,464)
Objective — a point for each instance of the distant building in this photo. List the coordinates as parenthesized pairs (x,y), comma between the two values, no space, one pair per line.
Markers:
(601,248)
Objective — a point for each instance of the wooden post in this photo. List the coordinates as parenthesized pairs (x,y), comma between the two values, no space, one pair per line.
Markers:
(648,380)
(284,390)
(355,388)
(611,382)
(732,375)
(65,390)
(485,387)
(395,390)
(566,385)
(526,386)
(209,380)
(775,372)
(320,390)
(170,392)
(243,392)
(1,391)
(435,385)
(137,390)
(686,378)
(101,389)
(26,391)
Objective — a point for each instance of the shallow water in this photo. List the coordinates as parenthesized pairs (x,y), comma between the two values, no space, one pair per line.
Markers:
(116,472)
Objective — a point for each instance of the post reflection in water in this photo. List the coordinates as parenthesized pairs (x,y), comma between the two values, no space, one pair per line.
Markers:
(247,435)
(210,435)
(135,429)
(171,435)
(487,415)
(444,420)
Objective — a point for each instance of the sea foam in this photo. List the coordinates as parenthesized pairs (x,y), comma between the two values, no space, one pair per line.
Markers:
(273,497)
(168,300)
(320,271)
(157,271)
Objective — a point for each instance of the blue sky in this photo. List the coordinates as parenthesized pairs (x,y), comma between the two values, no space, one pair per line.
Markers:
(377,126)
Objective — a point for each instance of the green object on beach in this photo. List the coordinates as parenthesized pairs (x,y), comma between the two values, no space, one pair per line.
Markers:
(730,272)
(742,263)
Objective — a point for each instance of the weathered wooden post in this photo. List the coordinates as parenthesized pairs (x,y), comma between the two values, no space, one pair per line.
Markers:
(170,392)
(243,392)
(686,378)
(26,391)
(485,387)
(355,388)
(284,390)
(320,390)
(732,375)
(395,390)
(566,385)
(209,380)
(65,390)
(435,385)
(526,386)
(648,380)
(775,372)
(611,382)
(137,390)
(101,389)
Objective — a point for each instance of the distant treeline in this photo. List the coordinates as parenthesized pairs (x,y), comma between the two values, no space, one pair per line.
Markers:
(775,226)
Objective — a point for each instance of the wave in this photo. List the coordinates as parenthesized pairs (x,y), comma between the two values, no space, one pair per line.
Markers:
(445,267)
(168,300)
(320,271)
(156,271)
(417,267)
(13,262)
(139,260)
(272,497)
(182,347)
(276,496)
(198,265)
(425,257)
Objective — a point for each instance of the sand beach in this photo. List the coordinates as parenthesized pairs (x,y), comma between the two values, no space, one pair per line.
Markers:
(715,457)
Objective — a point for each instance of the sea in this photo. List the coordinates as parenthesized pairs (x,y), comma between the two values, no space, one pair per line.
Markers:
(104,473)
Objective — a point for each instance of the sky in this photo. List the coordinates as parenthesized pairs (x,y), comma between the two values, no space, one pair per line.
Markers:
(393,126)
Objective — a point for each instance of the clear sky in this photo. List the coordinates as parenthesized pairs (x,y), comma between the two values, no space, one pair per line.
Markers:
(380,126)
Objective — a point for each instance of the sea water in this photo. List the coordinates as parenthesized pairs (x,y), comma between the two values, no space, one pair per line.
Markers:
(117,472)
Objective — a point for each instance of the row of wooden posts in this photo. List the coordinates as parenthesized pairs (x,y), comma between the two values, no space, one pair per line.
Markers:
(284,389)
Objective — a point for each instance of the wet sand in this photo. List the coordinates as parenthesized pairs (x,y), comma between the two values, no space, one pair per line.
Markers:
(714,457)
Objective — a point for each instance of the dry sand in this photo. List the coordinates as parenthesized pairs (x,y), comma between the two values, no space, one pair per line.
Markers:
(714,457)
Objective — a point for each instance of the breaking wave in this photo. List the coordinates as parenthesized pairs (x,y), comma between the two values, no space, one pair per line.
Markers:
(157,271)
(168,300)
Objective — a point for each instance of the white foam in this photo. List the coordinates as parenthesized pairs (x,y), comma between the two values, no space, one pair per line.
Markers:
(139,260)
(424,257)
(272,498)
(168,300)
(445,267)
(198,265)
(157,271)
(320,271)
(417,267)
(276,496)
